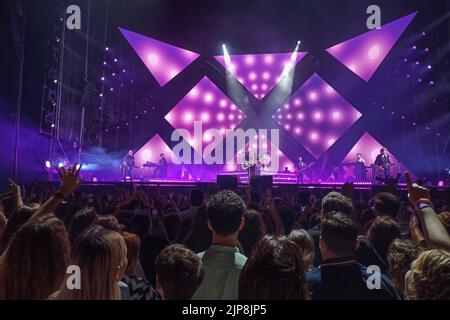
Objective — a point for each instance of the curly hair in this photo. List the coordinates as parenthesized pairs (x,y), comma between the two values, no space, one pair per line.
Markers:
(431,275)
(401,253)
(445,219)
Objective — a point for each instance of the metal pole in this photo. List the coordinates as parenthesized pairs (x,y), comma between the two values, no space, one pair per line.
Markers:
(19,97)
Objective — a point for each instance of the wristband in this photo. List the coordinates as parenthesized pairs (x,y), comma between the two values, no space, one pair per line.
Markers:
(424,201)
(423,205)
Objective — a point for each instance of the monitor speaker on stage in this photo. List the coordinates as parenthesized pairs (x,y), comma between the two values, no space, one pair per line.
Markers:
(227,182)
(261,183)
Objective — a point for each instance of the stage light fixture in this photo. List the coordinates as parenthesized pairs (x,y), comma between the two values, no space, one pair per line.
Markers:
(259,73)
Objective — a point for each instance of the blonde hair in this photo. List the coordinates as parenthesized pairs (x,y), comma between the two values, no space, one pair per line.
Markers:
(430,276)
(99,253)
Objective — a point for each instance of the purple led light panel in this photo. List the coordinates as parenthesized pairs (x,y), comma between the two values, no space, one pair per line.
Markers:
(364,53)
(259,73)
(163,60)
(151,150)
(316,115)
(206,103)
(369,148)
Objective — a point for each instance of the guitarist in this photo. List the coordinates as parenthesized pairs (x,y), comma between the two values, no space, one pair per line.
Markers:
(383,163)
(300,168)
(128,165)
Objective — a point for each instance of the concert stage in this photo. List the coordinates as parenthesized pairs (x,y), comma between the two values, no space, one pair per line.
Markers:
(182,185)
(309,80)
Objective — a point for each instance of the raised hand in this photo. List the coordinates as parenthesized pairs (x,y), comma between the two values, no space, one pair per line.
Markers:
(70,179)
(416,192)
(14,189)
(16,193)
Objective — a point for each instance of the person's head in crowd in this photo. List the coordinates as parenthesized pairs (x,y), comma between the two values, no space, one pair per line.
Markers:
(35,261)
(382,232)
(401,253)
(97,251)
(196,197)
(199,236)
(226,216)
(288,215)
(386,204)
(305,245)
(133,243)
(109,222)
(15,221)
(179,272)
(254,229)
(445,219)
(429,277)
(140,224)
(172,222)
(82,220)
(338,236)
(274,271)
(303,198)
(335,201)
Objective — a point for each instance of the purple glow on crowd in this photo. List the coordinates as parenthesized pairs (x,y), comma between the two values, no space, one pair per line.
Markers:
(363,54)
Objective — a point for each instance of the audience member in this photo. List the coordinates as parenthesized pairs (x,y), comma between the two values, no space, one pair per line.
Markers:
(274,271)
(340,276)
(222,261)
(305,246)
(179,272)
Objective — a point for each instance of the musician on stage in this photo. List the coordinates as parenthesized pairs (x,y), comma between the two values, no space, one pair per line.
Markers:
(360,167)
(128,165)
(383,163)
(251,162)
(300,168)
(161,169)
(359,158)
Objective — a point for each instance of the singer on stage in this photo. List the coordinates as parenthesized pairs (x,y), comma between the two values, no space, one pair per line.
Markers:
(127,166)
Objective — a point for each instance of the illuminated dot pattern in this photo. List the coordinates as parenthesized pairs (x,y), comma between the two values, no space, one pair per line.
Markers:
(363,54)
(316,115)
(259,73)
(205,102)
(163,60)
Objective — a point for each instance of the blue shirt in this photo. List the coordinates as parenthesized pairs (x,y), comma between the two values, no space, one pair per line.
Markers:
(345,279)
(222,267)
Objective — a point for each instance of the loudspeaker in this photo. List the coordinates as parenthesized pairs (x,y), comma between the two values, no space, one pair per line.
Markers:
(227,182)
(261,183)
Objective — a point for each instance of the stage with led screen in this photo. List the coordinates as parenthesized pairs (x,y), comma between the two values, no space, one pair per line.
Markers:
(315,93)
